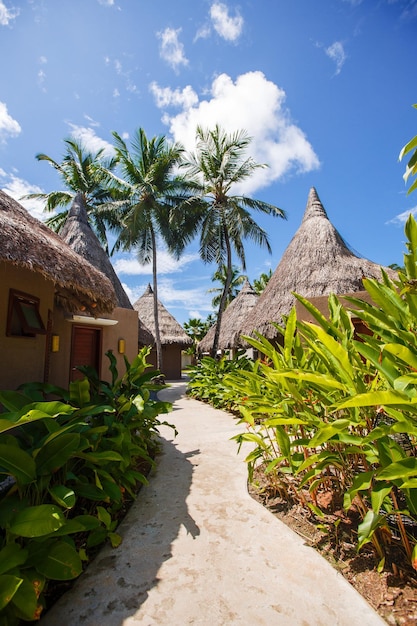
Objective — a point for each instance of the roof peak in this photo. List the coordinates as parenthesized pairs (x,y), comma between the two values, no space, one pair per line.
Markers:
(314,207)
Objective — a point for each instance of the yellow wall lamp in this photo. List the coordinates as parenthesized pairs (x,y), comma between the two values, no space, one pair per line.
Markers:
(55,343)
(121,346)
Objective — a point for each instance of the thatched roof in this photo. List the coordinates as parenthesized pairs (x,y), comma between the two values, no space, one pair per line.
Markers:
(170,330)
(78,234)
(232,320)
(26,242)
(316,262)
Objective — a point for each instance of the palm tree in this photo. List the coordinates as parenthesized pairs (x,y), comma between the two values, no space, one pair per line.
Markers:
(219,163)
(152,195)
(80,171)
(236,281)
(260,283)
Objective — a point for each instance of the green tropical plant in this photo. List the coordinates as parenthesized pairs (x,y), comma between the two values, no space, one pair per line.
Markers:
(411,169)
(221,276)
(260,283)
(332,411)
(81,172)
(70,465)
(225,220)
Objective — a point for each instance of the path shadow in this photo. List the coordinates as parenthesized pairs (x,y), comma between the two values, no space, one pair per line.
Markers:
(118,581)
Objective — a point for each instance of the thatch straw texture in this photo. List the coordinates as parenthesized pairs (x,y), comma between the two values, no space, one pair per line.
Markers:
(316,262)
(78,234)
(232,320)
(170,330)
(26,242)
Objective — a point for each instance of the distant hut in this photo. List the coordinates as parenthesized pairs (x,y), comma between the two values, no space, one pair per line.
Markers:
(77,233)
(317,262)
(232,321)
(173,337)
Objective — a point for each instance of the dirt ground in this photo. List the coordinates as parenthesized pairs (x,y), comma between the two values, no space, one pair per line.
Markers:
(392,593)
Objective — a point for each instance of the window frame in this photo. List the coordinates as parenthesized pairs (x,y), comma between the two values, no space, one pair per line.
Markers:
(17,300)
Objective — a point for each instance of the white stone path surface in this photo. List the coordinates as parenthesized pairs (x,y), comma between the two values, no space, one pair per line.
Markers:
(197,549)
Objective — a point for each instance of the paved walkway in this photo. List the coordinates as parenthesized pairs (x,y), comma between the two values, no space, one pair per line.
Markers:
(197,549)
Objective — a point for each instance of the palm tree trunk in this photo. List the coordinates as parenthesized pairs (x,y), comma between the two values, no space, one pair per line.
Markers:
(223,300)
(159,363)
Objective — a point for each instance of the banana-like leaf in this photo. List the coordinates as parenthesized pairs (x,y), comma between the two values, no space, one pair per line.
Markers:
(401,469)
(55,453)
(17,463)
(8,586)
(60,562)
(36,521)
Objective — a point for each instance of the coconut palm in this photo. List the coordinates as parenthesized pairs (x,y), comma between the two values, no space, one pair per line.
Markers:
(151,194)
(219,163)
(236,281)
(80,171)
(260,283)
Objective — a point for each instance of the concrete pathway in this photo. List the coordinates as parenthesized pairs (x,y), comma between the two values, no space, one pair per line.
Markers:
(197,549)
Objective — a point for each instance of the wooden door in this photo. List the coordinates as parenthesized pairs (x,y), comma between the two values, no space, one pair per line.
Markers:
(85,349)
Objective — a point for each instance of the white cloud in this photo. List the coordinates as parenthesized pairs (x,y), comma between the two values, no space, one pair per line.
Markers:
(336,53)
(6,15)
(277,141)
(203,33)
(230,28)
(17,187)
(172,50)
(401,218)
(106,3)
(8,126)
(90,140)
(166,264)
(166,97)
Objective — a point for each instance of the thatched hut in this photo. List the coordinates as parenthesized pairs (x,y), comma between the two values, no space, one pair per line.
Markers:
(232,321)
(317,262)
(173,337)
(40,277)
(78,234)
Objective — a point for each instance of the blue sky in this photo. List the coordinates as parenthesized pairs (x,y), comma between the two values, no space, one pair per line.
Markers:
(324,87)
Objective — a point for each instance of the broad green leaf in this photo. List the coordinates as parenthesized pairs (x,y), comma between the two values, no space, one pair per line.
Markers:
(361,482)
(379,492)
(99,458)
(14,400)
(328,431)
(375,398)
(17,463)
(80,392)
(399,469)
(55,453)
(36,521)
(26,600)
(366,529)
(11,556)
(402,352)
(64,496)
(61,562)
(8,587)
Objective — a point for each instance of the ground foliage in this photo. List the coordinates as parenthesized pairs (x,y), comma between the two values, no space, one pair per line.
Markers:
(72,466)
(331,414)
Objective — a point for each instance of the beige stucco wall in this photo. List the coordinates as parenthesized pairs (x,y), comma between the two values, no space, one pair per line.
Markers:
(126,328)
(22,358)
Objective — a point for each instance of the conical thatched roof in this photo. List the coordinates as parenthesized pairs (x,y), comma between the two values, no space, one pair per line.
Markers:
(232,320)
(26,242)
(170,330)
(316,262)
(78,234)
